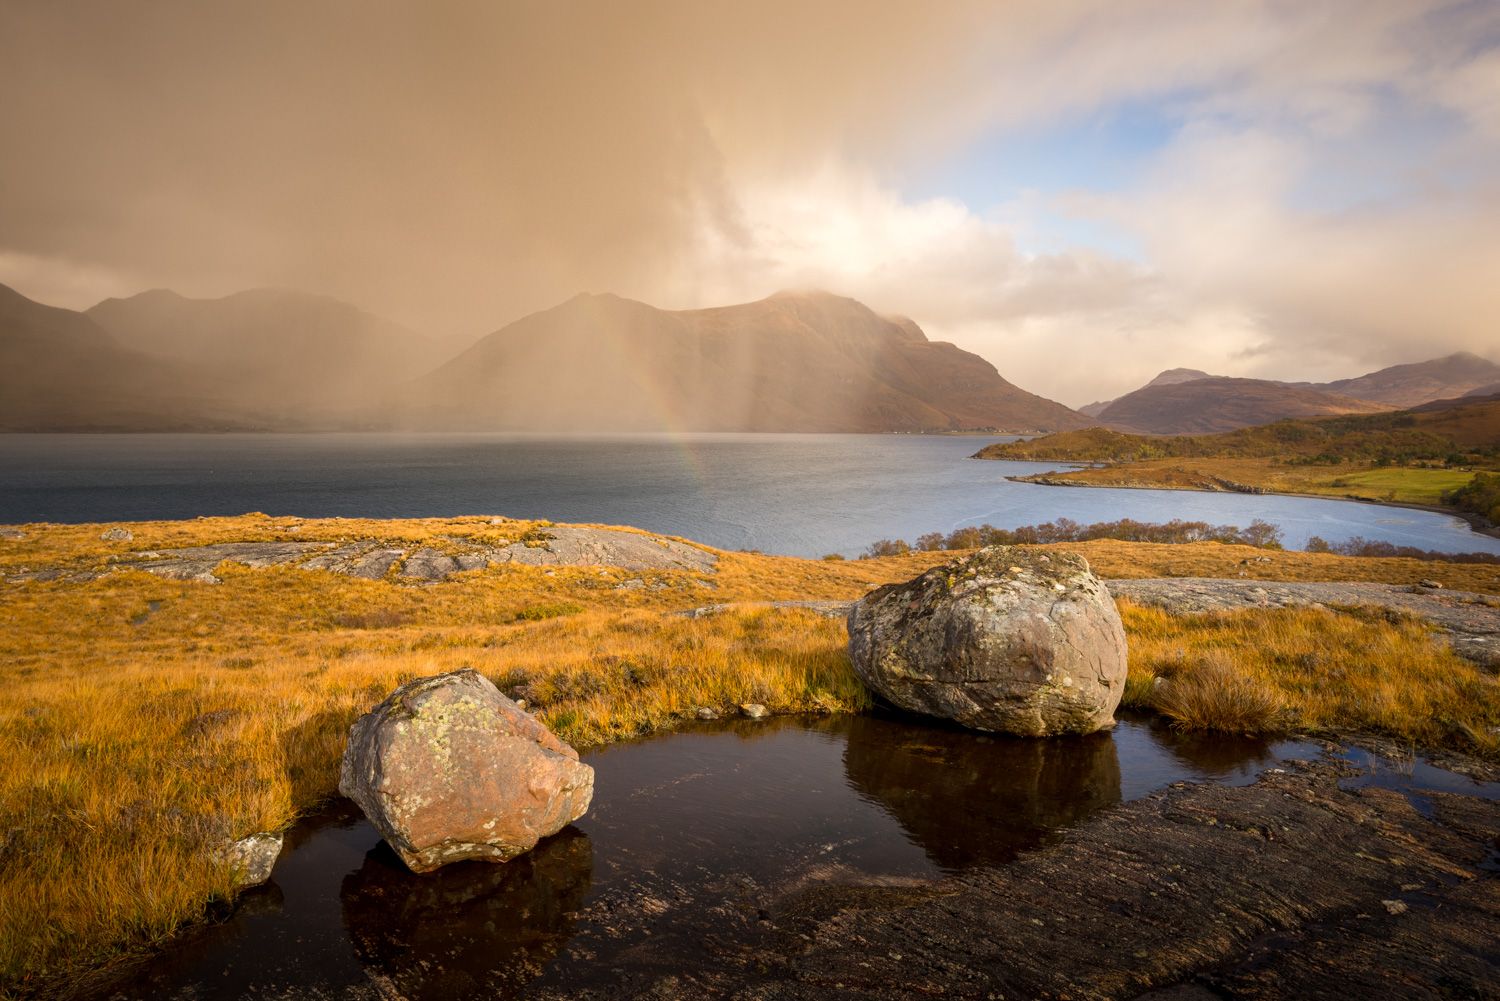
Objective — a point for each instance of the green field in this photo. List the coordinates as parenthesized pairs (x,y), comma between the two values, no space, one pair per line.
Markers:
(1402,484)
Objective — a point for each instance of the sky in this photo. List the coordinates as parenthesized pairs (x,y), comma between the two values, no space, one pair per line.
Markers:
(1084,193)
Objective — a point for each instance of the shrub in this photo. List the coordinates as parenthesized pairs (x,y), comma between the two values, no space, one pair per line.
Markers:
(1212,694)
(1481,496)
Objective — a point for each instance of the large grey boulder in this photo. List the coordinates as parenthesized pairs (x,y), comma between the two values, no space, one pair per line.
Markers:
(1008,640)
(447,769)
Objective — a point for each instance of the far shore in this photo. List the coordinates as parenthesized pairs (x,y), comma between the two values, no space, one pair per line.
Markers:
(1477,523)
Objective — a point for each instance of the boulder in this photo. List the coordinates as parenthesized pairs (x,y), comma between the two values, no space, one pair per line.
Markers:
(116,534)
(447,768)
(1007,640)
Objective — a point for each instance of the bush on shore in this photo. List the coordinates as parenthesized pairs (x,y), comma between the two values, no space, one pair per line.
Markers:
(1260,534)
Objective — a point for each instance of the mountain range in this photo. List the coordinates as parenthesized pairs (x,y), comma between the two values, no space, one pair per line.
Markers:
(272,359)
(279,360)
(1188,401)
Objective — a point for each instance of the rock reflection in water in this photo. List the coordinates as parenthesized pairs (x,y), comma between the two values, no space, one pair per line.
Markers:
(692,837)
(467,930)
(969,799)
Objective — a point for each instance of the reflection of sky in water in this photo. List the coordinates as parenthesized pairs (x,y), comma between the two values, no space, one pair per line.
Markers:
(799,494)
(682,826)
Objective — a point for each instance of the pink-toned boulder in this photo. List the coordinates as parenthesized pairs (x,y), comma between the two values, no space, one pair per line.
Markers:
(447,769)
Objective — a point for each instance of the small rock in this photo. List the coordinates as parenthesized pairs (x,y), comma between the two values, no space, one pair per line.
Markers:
(755,710)
(1430,584)
(116,534)
(448,769)
(522,704)
(252,858)
(704,712)
(12,534)
(1394,906)
(633,584)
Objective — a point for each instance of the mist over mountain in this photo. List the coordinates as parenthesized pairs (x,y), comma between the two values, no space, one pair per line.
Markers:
(796,361)
(293,358)
(280,360)
(59,371)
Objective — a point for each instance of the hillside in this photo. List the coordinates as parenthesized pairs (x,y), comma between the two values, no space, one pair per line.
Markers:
(805,361)
(59,371)
(303,359)
(1408,385)
(1430,433)
(1432,455)
(1216,404)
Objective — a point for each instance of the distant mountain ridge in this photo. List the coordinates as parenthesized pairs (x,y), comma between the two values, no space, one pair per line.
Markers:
(1208,406)
(1170,377)
(795,361)
(1188,401)
(1408,385)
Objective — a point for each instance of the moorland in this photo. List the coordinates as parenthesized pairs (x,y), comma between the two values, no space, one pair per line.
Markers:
(151,717)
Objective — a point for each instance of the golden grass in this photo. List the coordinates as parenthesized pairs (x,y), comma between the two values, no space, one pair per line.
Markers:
(124,768)
(1312,670)
(146,720)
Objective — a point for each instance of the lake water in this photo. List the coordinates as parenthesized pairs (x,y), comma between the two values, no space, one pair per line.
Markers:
(689,836)
(803,495)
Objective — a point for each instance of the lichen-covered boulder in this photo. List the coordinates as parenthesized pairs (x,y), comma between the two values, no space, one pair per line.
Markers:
(1008,640)
(447,768)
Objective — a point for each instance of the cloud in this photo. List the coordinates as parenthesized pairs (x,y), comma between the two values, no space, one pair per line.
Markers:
(1321,206)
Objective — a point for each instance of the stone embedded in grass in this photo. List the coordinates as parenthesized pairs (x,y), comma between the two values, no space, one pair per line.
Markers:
(252,858)
(447,769)
(755,710)
(705,713)
(116,534)
(1006,640)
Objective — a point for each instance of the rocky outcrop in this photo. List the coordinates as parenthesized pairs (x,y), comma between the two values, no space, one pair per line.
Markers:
(373,559)
(116,534)
(448,769)
(1008,639)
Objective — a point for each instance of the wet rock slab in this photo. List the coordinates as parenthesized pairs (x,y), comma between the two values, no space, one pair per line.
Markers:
(1277,890)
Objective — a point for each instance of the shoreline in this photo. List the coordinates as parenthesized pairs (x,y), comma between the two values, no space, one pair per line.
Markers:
(1477,523)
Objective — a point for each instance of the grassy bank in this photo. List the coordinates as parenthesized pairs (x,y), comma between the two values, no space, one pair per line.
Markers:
(146,720)
(1419,485)
(1311,670)
(1419,457)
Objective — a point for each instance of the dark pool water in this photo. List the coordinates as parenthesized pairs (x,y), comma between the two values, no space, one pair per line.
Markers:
(687,831)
